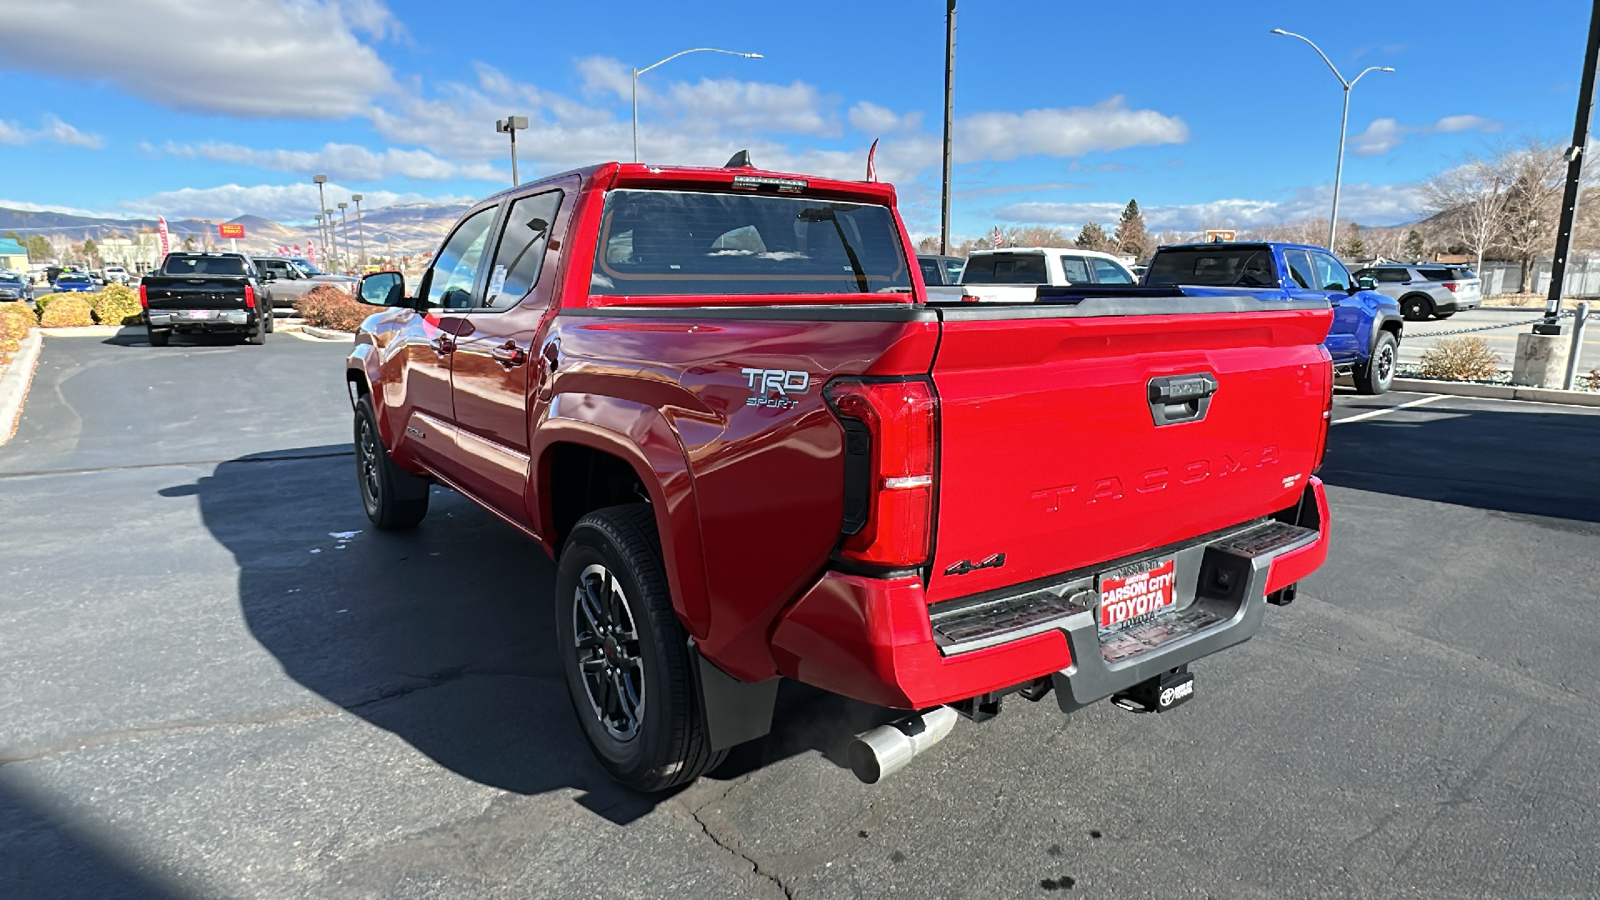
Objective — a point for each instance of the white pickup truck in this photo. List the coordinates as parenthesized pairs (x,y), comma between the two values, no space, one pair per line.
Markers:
(1014,275)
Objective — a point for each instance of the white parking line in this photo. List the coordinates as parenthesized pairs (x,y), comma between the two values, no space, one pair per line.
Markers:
(1383,412)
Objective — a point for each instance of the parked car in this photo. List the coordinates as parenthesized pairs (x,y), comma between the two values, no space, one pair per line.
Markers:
(115,274)
(292,279)
(757,450)
(940,270)
(1424,290)
(206,293)
(1364,341)
(15,287)
(1011,275)
(75,282)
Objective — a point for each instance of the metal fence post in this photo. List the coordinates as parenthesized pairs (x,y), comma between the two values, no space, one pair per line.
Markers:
(1577,345)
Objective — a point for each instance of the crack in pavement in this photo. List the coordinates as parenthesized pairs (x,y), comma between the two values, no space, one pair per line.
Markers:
(440,679)
(731,847)
(106,738)
(178,465)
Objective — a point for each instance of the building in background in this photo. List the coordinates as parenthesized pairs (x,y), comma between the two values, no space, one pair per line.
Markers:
(139,253)
(13,256)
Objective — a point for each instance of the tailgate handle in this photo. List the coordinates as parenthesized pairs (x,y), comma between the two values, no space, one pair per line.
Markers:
(1181,398)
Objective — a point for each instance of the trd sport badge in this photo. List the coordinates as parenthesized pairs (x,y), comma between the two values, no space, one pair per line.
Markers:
(765,383)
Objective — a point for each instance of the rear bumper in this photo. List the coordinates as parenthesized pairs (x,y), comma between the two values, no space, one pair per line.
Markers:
(873,639)
(225,319)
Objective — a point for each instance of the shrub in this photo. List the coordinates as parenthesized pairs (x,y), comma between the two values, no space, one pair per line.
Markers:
(1593,378)
(40,302)
(20,310)
(118,304)
(326,306)
(1461,359)
(66,311)
(13,328)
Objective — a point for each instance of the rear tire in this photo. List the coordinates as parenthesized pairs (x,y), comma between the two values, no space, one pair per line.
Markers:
(1378,373)
(160,337)
(393,498)
(626,657)
(257,335)
(1416,307)
(272,322)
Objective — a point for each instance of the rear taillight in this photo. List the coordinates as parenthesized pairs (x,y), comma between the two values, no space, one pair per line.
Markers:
(249,297)
(1451,286)
(1327,413)
(144,297)
(891,430)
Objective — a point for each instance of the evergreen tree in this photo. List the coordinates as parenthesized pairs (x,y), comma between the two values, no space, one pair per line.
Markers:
(90,248)
(1092,237)
(1354,246)
(38,247)
(1131,236)
(1414,248)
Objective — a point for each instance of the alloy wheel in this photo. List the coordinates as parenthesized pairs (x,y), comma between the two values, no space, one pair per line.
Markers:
(367,460)
(609,660)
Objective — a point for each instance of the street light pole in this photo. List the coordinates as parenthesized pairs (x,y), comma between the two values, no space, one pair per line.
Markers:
(344,226)
(949,110)
(360,234)
(333,237)
(322,204)
(509,125)
(638,72)
(1344,120)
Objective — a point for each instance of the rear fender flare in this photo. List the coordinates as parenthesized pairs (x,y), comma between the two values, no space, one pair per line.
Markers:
(642,437)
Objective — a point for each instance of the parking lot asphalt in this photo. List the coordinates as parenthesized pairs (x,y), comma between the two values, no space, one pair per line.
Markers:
(221,682)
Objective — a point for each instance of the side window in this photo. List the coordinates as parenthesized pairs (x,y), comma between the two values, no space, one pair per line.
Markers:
(1392,275)
(1075,269)
(952,268)
(930,271)
(1331,274)
(521,253)
(1300,268)
(456,268)
(1108,272)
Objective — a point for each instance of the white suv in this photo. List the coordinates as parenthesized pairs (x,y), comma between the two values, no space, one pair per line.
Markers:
(1006,275)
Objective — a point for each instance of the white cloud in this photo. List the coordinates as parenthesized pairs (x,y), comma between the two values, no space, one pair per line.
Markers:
(280,203)
(1464,123)
(876,120)
(604,75)
(1369,204)
(347,161)
(1381,136)
(1005,136)
(25,206)
(51,129)
(714,105)
(288,58)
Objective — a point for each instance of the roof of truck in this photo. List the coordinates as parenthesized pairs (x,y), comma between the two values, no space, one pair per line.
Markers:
(644,175)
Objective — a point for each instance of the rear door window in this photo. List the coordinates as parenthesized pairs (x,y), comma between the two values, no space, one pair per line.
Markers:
(520,257)
(930,271)
(953,268)
(1075,269)
(1391,276)
(1300,268)
(1005,268)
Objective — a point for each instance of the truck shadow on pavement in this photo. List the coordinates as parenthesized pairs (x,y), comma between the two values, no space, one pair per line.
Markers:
(1531,462)
(41,855)
(443,635)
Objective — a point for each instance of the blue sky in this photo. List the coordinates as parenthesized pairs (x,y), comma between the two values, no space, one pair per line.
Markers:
(1064,111)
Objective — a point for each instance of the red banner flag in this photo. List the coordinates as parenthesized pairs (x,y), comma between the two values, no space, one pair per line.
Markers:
(161,229)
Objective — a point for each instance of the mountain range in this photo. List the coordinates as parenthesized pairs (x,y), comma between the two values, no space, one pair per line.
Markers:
(401,230)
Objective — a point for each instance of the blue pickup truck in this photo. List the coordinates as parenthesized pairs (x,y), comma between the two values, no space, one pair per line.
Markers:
(1365,338)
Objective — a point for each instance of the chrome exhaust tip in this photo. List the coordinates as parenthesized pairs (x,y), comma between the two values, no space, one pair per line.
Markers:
(887,749)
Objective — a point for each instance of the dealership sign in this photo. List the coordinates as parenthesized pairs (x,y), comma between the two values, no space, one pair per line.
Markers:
(234,231)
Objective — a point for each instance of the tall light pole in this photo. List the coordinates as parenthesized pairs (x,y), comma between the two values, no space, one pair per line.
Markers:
(638,72)
(360,235)
(321,239)
(333,236)
(949,110)
(344,226)
(510,125)
(322,204)
(1344,120)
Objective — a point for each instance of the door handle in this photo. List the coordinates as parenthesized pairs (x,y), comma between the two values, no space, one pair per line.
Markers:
(444,345)
(509,355)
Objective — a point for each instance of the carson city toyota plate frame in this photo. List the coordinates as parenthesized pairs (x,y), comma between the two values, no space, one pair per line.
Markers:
(1137,593)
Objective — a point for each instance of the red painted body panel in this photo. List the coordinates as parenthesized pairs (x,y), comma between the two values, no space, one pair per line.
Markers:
(749,499)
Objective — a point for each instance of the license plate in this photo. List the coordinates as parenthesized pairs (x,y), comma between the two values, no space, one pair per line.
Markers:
(200,313)
(1136,594)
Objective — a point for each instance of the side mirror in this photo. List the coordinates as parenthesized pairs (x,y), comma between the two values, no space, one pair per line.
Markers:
(268,276)
(1366,283)
(383,289)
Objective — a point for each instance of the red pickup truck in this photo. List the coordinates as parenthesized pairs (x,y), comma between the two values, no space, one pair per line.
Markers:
(724,402)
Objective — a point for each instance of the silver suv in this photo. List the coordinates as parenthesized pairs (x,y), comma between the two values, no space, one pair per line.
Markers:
(1426,289)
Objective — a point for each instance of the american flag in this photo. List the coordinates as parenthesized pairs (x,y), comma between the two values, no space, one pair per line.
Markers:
(996,239)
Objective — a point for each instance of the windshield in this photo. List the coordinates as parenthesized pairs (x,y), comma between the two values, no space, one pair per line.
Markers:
(1006,268)
(307,269)
(1216,266)
(203,265)
(679,242)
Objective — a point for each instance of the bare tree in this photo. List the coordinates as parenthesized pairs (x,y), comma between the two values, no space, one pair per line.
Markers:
(1471,199)
(1534,172)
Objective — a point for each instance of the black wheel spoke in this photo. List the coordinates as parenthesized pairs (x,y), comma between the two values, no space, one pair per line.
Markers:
(608,652)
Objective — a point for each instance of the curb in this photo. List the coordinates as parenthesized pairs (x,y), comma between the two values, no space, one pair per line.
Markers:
(1496,391)
(326,334)
(86,331)
(14,385)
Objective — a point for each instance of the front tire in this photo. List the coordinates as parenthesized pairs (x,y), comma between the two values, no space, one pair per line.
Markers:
(626,655)
(393,498)
(1376,376)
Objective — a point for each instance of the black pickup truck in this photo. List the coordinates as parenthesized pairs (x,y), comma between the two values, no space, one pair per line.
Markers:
(206,292)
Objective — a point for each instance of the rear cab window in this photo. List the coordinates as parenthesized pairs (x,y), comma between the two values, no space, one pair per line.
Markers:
(1006,268)
(664,242)
(1222,266)
(203,265)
